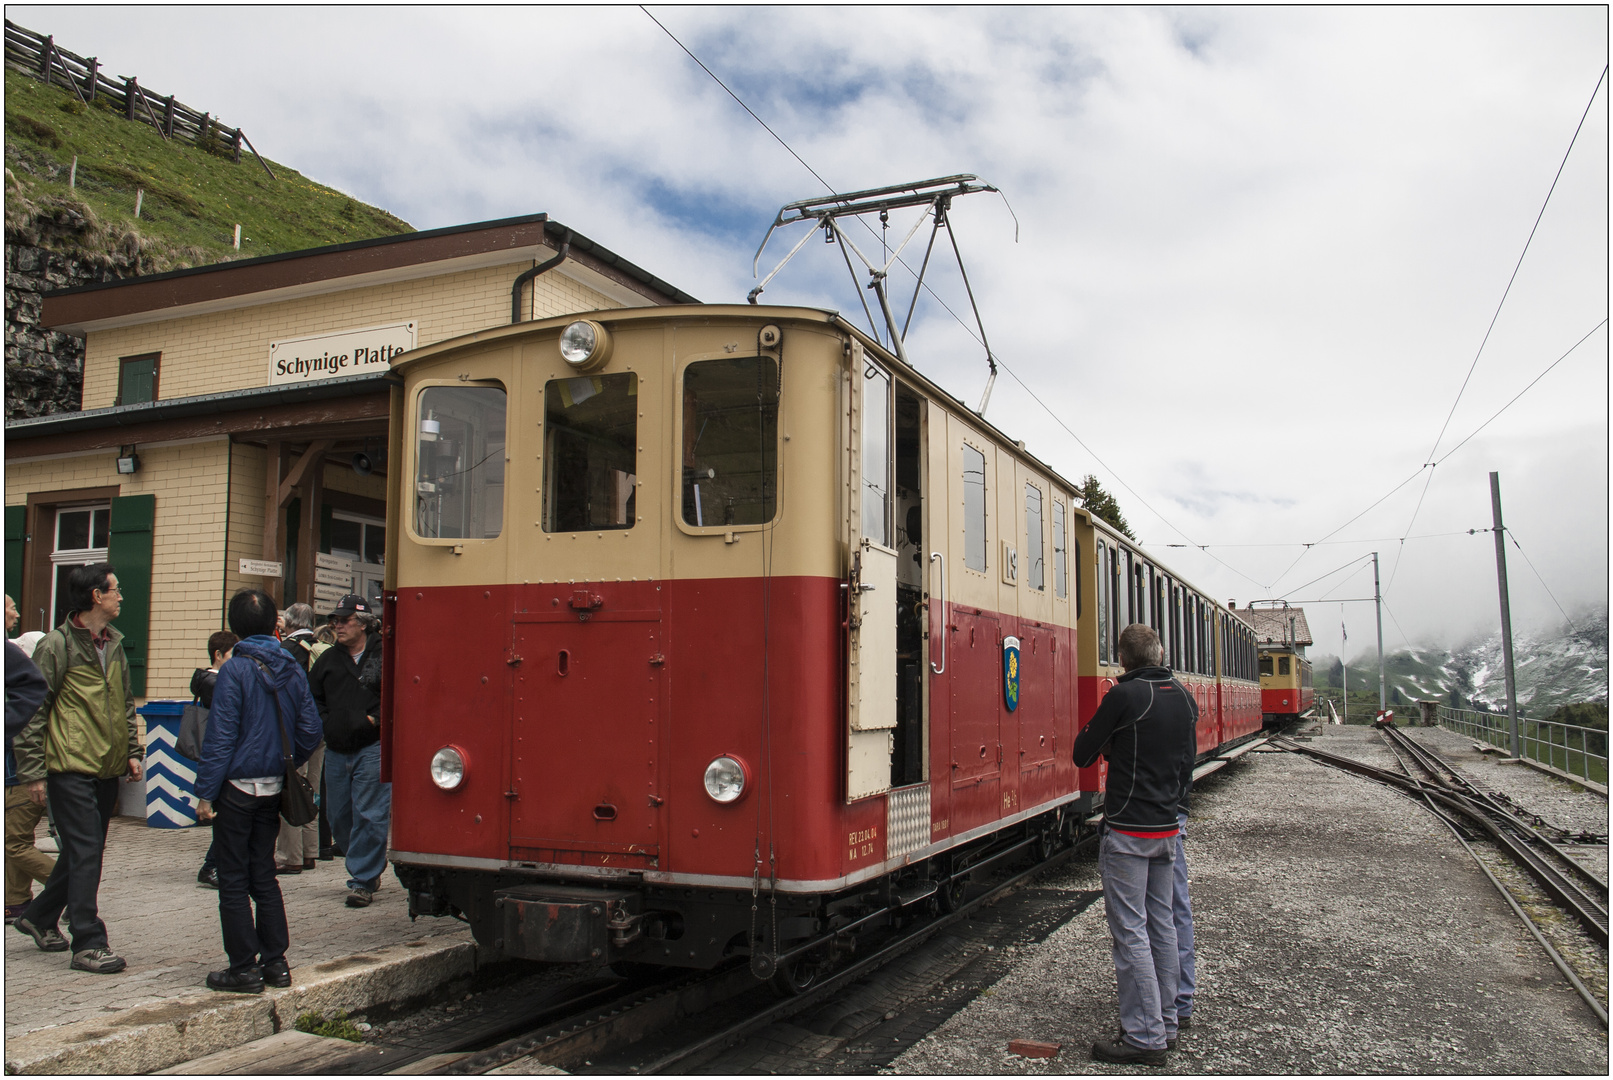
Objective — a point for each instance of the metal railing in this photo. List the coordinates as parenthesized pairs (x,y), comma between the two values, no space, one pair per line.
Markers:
(1577,751)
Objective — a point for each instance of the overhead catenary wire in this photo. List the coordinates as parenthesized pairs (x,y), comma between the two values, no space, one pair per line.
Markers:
(1514,538)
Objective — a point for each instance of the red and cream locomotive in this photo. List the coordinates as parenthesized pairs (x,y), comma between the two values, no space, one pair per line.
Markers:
(719,631)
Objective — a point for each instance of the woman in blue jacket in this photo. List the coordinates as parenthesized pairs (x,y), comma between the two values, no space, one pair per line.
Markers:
(239,781)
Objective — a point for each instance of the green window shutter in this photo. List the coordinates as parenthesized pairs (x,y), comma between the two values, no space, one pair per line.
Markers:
(129,552)
(16,518)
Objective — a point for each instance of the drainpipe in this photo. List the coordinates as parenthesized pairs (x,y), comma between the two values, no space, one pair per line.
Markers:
(541,268)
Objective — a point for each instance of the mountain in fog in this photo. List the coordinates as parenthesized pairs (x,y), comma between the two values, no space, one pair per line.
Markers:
(1562,666)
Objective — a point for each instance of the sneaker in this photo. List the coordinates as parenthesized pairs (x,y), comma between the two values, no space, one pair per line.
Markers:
(1119,1052)
(360,897)
(236,982)
(49,939)
(14,911)
(1170,1040)
(277,972)
(100,961)
(208,877)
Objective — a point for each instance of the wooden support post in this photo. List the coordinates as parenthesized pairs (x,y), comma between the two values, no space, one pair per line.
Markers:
(257,155)
(273,516)
(235,146)
(168,118)
(95,71)
(201,132)
(151,115)
(131,88)
(311,492)
(44,57)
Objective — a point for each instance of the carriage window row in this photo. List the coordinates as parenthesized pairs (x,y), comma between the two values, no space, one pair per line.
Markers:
(975,541)
(1130,590)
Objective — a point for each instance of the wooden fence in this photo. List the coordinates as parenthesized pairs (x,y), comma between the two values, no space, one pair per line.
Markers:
(38,55)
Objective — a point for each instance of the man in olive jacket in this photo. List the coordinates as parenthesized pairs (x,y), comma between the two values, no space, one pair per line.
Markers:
(82,739)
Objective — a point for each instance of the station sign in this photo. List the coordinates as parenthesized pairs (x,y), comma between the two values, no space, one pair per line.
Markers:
(335,354)
(330,592)
(333,562)
(334,577)
(324,607)
(262,568)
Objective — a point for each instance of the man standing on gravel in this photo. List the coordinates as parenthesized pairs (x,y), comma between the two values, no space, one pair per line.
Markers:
(1144,727)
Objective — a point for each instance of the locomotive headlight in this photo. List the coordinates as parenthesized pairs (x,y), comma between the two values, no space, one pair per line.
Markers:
(447,768)
(725,779)
(585,345)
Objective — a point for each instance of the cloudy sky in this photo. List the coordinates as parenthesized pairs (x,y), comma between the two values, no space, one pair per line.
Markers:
(1258,251)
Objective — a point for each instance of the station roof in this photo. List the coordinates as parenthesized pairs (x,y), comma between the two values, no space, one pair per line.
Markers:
(1271,625)
(291,274)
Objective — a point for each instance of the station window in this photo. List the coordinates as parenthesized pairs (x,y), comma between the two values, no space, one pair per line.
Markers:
(974,508)
(1061,570)
(459,479)
(1034,558)
(137,378)
(730,442)
(82,535)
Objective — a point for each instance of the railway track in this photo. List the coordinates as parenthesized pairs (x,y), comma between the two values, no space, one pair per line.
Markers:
(1473,815)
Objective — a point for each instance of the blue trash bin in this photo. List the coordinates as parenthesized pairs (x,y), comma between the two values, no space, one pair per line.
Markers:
(170,776)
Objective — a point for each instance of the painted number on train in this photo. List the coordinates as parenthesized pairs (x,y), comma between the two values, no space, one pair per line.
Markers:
(862,842)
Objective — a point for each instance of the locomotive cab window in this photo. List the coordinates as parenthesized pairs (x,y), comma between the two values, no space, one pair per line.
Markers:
(459,454)
(1061,573)
(590,435)
(1282,665)
(974,508)
(1037,576)
(1265,664)
(730,442)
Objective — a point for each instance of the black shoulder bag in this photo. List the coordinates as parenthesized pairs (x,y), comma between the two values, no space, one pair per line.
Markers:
(298,804)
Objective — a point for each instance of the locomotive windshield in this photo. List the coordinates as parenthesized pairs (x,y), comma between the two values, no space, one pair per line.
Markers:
(459,481)
(590,475)
(730,441)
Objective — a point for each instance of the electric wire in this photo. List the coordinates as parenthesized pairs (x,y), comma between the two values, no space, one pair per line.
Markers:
(1359,559)
(1395,569)
(1205,548)
(991,356)
(1514,538)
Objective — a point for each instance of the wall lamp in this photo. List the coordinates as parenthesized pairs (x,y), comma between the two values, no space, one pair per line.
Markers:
(128,462)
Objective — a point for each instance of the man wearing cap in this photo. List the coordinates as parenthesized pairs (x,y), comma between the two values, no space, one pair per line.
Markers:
(347,693)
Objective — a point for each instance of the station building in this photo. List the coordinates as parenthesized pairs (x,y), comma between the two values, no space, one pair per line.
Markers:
(235,419)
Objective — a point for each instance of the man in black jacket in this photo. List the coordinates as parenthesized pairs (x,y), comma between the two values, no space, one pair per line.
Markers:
(1145,728)
(346,687)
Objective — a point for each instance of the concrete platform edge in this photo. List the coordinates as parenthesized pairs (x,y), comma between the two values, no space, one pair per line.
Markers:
(146,1038)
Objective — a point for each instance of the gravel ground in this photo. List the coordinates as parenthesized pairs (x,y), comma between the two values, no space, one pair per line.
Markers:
(1340,930)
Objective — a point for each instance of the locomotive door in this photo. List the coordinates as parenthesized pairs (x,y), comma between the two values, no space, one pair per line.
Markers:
(974,662)
(585,736)
(871,666)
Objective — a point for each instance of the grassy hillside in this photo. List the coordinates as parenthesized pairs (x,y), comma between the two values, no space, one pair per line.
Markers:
(194,195)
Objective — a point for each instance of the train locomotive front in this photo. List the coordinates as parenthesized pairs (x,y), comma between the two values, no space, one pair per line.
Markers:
(665,681)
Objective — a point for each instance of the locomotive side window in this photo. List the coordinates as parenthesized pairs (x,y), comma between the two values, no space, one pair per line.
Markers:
(1102,600)
(459,478)
(1265,663)
(730,441)
(1037,578)
(590,432)
(1282,665)
(1061,579)
(974,508)
(876,456)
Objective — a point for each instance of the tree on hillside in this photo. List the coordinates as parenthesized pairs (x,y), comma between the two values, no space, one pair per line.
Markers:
(1335,674)
(1102,504)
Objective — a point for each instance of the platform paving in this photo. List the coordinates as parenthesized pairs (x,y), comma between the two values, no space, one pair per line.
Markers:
(1341,930)
(167,928)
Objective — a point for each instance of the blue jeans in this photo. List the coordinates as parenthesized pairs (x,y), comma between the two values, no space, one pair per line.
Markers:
(1139,882)
(360,810)
(1182,913)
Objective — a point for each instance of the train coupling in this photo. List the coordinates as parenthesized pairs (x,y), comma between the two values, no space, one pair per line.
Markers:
(568,924)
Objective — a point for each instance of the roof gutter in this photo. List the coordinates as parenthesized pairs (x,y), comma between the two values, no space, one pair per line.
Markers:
(532,274)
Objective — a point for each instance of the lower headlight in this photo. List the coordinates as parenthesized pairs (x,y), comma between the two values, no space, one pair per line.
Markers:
(447,768)
(725,779)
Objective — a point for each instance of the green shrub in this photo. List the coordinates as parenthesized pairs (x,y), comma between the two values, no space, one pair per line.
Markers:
(337,1027)
(74,107)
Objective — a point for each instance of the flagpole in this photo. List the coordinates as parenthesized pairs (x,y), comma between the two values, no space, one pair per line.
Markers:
(1345,650)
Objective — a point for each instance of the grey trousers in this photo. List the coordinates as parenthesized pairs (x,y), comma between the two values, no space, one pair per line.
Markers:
(1182,915)
(1139,882)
